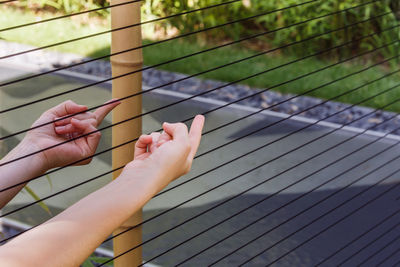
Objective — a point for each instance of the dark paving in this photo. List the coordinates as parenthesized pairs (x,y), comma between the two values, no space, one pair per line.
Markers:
(227,182)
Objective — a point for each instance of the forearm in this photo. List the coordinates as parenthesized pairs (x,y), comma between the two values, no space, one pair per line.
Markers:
(19,171)
(70,237)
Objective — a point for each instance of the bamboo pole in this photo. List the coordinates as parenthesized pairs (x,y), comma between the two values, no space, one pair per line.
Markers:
(127,62)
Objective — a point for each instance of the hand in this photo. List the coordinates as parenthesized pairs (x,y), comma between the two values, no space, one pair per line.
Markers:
(170,153)
(63,130)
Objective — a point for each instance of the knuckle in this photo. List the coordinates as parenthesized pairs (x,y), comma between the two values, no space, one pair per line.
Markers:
(69,101)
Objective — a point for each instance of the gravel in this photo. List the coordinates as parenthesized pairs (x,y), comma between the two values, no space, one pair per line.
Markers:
(267,100)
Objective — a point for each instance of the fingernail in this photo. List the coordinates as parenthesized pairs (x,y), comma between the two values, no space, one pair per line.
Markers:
(59,128)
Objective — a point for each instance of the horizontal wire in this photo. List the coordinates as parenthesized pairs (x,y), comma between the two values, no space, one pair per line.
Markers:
(212,110)
(66,16)
(380,250)
(112,171)
(336,222)
(366,245)
(362,235)
(276,122)
(7,1)
(252,151)
(391,255)
(145,46)
(113,30)
(190,55)
(293,200)
(157,109)
(238,177)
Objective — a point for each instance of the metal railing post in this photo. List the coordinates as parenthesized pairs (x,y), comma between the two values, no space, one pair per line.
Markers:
(126,62)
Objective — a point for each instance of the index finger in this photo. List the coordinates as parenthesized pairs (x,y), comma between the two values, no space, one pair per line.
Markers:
(195,134)
(102,111)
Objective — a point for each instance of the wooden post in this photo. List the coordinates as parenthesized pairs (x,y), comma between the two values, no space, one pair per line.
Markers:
(126,62)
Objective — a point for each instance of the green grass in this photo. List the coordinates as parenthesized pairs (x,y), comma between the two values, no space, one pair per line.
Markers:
(94,47)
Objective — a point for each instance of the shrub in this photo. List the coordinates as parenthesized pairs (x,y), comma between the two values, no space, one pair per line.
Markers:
(247,8)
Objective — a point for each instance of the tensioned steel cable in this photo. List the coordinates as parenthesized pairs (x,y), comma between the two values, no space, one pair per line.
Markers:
(119,168)
(287,204)
(288,187)
(391,254)
(253,186)
(195,54)
(336,222)
(108,31)
(365,246)
(380,250)
(132,118)
(66,16)
(366,232)
(160,254)
(299,77)
(219,127)
(7,1)
(146,45)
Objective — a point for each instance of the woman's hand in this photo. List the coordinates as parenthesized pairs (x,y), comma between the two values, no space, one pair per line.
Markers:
(169,154)
(63,130)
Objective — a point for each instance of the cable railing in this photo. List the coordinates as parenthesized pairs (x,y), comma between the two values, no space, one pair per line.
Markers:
(359,201)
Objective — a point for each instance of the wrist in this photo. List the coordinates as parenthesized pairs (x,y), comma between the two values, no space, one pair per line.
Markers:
(37,162)
(149,177)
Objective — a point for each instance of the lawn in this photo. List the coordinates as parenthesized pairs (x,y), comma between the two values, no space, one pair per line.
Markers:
(65,29)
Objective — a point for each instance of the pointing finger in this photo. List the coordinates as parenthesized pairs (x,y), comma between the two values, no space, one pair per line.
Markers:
(195,134)
(101,112)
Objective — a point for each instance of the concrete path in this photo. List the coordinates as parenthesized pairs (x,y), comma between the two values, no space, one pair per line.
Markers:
(228,181)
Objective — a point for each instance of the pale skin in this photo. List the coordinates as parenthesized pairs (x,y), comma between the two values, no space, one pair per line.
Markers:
(70,237)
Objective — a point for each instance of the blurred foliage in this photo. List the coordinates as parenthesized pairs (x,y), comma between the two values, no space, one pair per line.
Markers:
(64,6)
(245,8)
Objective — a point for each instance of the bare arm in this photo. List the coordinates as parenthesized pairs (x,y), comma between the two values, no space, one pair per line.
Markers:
(43,137)
(70,237)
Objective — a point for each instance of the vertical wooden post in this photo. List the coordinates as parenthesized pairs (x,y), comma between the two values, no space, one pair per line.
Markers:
(126,62)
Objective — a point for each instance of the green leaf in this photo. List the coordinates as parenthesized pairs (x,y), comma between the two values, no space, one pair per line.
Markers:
(37,198)
(87,263)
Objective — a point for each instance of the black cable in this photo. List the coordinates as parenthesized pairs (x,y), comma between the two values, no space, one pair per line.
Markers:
(252,151)
(157,109)
(7,1)
(292,201)
(242,175)
(276,122)
(335,223)
(396,264)
(188,56)
(66,16)
(146,45)
(116,29)
(364,247)
(380,250)
(391,255)
(288,203)
(299,77)
(364,234)
(123,166)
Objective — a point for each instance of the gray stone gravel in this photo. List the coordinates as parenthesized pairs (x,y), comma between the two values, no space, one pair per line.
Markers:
(268,100)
